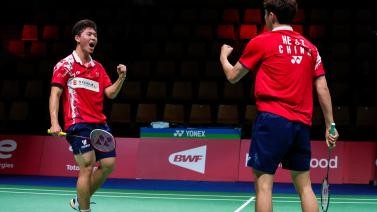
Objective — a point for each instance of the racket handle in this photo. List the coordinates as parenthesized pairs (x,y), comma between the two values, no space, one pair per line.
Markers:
(59,134)
(332,129)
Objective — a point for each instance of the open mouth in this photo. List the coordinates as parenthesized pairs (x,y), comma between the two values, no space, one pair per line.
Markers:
(92,45)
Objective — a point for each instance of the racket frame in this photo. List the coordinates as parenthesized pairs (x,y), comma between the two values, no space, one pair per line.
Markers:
(89,138)
(326,179)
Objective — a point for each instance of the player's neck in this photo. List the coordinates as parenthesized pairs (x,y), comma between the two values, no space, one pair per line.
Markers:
(84,56)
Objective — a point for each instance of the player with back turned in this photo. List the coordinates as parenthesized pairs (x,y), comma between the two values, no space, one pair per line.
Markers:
(82,83)
(286,67)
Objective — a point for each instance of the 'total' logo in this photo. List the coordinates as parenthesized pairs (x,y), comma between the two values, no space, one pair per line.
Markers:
(192,159)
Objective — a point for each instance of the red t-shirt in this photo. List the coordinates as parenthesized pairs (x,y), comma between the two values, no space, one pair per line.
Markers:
(286,65)
(83,90)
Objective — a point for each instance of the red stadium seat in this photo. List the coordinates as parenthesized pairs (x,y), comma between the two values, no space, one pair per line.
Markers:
(252,16)
(248,31)
(231,16)
(29,32)
(50,32)
(226,31)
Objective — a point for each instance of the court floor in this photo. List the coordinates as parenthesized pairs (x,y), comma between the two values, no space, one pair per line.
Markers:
(30,196)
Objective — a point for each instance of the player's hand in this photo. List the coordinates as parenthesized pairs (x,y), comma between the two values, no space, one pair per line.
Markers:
(226,50)
(54,130)
(331,139)
(122,70)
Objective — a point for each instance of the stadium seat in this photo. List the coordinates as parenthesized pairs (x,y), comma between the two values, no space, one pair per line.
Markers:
(196,50)
(181,32)
(233,92)
(146,113)
(18,111)
(159,32)
(200,114)
(189,69)
(150,50)
(50,32)
(2,113)
(208,91)
(189,15)
(174,113)
(182,91)
(25,69)
(213,70)
(341,15)
(38,49)
(226,32)
(252,16)
(120,113)
(29,32)
(10,89)
(365,51)
(165,69)
(341,32)
(209,15)
(156,90)
(231,16)
(142,70)
(316,31)
(317,117)
(340,50)
(248,31)
(173,49)
(228,114)
(318,16)
(17,48)
(300,17)
(250,114)
(298,28)
(204,32)
(131,90)
(366,117)
(342,116)
(34,90)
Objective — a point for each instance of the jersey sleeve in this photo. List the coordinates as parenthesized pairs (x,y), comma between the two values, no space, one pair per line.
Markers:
(318,65)
(60,73)
(252,54)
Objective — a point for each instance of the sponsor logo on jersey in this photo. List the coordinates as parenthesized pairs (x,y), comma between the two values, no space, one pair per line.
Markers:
(88,84)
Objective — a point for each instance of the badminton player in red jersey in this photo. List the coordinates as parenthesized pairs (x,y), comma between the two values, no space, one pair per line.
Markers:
(286,66)
(82,83)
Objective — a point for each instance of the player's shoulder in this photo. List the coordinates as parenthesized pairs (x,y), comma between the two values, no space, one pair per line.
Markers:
(65,62)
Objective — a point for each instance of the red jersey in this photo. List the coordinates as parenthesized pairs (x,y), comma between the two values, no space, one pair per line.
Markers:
(83,89)
(286,65)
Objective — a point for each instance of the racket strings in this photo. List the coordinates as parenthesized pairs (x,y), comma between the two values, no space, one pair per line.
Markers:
(102,140)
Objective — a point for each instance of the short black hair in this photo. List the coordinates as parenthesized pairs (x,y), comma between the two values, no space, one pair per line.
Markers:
(83,24)
(285,10)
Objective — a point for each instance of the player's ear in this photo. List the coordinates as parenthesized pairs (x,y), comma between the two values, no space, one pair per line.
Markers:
(77,38)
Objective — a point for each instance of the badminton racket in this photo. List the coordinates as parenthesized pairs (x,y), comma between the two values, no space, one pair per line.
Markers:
(325,187)
(100,139)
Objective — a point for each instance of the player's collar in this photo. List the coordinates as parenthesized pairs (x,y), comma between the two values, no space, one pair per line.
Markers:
(283,27)
(77,58)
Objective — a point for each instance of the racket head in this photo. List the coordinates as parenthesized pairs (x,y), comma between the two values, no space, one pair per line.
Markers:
(102,140)
(325,194)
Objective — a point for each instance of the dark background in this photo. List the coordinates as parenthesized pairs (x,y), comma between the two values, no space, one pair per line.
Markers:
(174,46)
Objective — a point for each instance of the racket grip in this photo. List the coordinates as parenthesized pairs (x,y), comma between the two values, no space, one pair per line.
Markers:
(59,134)
(332,129)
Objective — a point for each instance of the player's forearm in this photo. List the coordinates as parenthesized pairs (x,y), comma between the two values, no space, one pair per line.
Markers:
(227,68)
(54,109)
(113,90)
(324,99)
